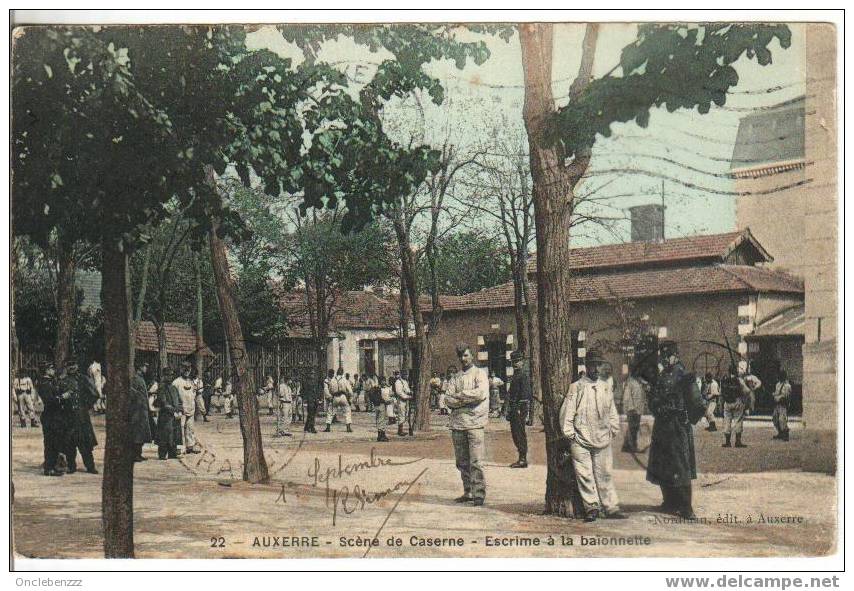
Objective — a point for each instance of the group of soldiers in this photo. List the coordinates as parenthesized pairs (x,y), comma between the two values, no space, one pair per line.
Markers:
(67,398)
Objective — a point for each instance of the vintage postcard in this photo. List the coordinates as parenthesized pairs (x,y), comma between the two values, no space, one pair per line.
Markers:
(424,290)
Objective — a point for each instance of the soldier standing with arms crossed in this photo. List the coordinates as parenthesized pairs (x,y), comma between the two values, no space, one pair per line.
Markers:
(468,399)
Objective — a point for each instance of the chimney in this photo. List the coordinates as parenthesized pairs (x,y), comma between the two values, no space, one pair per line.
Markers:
(647,222)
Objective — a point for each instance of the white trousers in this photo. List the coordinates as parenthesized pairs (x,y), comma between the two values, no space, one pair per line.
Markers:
(339,405)
(593,469)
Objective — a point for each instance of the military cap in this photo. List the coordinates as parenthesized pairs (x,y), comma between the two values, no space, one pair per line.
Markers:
(593,355)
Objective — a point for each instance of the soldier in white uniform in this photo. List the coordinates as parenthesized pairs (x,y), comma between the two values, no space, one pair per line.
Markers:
(382,398)
(402,396)
(25,399)
(339,394)
(298,408)
(589,419)
(187,392)
(468,399)
(99,380)
(228,401)
(738,395)
(710,391)
(782,394)
(199,390)
(270,395)
(284,410)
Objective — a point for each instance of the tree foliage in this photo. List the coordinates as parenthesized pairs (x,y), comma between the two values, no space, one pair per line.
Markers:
(675,66)
(466,262)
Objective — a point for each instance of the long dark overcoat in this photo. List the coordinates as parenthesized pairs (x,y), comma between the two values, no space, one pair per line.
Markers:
(168,403)
(140,431)
(671,453)
(80,433)
(54,424)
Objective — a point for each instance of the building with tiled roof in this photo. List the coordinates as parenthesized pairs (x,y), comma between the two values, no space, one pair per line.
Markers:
(364,333)
(697,290)
(180,339)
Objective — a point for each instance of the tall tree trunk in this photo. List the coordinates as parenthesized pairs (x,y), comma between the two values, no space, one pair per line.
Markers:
(553,204)
(242,383)
(405,349)
(200,317)
(64,302)
(422,359)
(143,285)
(321,337)
(162,354)
(519,306)
(117,485)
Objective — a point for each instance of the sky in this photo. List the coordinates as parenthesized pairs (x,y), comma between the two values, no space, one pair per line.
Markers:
(479,98)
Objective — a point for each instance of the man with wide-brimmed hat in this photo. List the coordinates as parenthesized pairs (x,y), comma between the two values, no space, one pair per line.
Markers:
(589,419)
(519,396)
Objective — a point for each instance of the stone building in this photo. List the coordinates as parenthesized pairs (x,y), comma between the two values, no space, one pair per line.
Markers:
(364,333)
(785,165)
(700,291)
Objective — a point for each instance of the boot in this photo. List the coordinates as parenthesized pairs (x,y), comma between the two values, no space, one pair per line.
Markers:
(738,442)
(400,432)
(349,428)
(522,462)
(784,436)
(381,436)
(726,442)
(668,501)
(685,510)
(328,429)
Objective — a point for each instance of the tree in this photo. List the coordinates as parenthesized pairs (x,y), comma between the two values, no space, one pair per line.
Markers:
(88,155)
(672,66)
(467,261)
(326,262)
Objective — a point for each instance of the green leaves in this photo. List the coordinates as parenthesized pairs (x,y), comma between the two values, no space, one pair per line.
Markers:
(672,66)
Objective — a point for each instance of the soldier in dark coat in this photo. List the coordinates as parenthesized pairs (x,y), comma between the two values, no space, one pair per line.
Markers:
(140,431)
(169,409)
(53,424)
(672,464)
(81,436)
(311,396)
(519,396)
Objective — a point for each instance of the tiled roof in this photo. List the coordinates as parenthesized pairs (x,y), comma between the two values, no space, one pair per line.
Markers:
(646,283)
(353,310)
(712,247)
(180,338)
